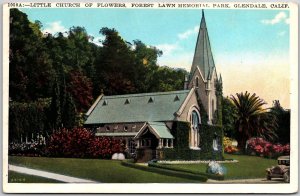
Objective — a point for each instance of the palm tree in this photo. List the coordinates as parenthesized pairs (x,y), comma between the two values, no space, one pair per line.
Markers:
(253,120)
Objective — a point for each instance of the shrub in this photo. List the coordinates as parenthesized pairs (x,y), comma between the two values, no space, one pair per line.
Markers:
(81,143)
(104,147)
(261,147)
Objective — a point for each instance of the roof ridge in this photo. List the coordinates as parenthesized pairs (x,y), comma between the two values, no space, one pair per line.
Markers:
(144,94)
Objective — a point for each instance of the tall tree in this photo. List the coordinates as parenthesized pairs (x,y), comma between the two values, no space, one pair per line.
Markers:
(55,112)
(115,60)
(80,87)
(252,118)
(229,115)
(69,114)
(284,117)
(31,71)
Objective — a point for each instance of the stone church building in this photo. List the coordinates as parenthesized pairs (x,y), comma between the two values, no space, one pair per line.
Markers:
(167,125)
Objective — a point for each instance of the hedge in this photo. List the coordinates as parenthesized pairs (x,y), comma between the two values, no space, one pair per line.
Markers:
(164,166)
(180,174)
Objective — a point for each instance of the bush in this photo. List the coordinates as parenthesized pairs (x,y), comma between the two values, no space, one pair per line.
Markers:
(81,143)
(261,147)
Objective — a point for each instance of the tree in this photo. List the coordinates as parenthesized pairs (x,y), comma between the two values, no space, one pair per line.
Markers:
(115,59)
(229,115)
(284,117)
(55,113)
(252,118)
(80,87)
(62,112)
(69,114)
(31,72)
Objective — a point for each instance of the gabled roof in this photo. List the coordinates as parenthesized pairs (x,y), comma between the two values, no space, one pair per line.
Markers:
(203,57)
(159,129)
(143,107)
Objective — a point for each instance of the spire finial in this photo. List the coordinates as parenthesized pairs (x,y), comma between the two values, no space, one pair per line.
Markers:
(202,24)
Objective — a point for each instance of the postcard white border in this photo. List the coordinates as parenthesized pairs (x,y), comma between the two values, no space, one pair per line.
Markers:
(163,187)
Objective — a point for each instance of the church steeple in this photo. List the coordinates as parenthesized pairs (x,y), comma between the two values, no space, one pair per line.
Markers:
(203,57)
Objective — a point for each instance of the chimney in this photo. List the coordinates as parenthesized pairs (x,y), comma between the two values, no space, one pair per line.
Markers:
(186,82)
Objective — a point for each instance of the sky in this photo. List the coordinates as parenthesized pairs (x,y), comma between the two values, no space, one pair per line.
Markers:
(250,47)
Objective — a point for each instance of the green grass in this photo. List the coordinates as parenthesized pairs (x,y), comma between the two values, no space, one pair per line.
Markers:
(15,177)
(247,167)
(94,169)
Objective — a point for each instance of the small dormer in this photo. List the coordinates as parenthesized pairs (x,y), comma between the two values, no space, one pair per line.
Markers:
(105,102)
(127,101)
(151,100)
(176,98)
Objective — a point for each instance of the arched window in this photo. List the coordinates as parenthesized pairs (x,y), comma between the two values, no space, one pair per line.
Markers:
(197,82)
(195,119)
(195,136)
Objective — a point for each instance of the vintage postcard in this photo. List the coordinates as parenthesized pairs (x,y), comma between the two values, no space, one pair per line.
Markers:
(150,97)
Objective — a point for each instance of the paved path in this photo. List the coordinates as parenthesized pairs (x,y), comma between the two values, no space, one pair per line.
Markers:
(246,181)
(50,175)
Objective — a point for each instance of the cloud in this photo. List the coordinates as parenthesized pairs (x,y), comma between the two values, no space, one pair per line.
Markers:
(280,17)
(282,33)
(54,27)
(97,40)
(167,49)
(287,21)
(183,61)
(189,32)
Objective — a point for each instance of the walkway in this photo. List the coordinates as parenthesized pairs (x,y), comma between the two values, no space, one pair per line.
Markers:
(246,181)
(49,175)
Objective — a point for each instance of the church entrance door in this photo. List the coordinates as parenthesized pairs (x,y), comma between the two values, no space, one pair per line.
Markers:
(147,147)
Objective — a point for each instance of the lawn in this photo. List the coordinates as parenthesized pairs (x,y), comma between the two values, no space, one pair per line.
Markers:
(247,167)
(15,177)
(94,169)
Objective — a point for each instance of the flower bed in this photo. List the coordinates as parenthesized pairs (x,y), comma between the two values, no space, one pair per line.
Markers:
(263,148)
(31,149)
(229,147)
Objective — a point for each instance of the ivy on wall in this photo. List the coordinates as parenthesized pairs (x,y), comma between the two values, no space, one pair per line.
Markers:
(209,133)
(181,149)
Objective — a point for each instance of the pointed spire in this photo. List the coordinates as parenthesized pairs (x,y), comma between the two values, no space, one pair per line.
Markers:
(203,23)
(203,57)
(220,79)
